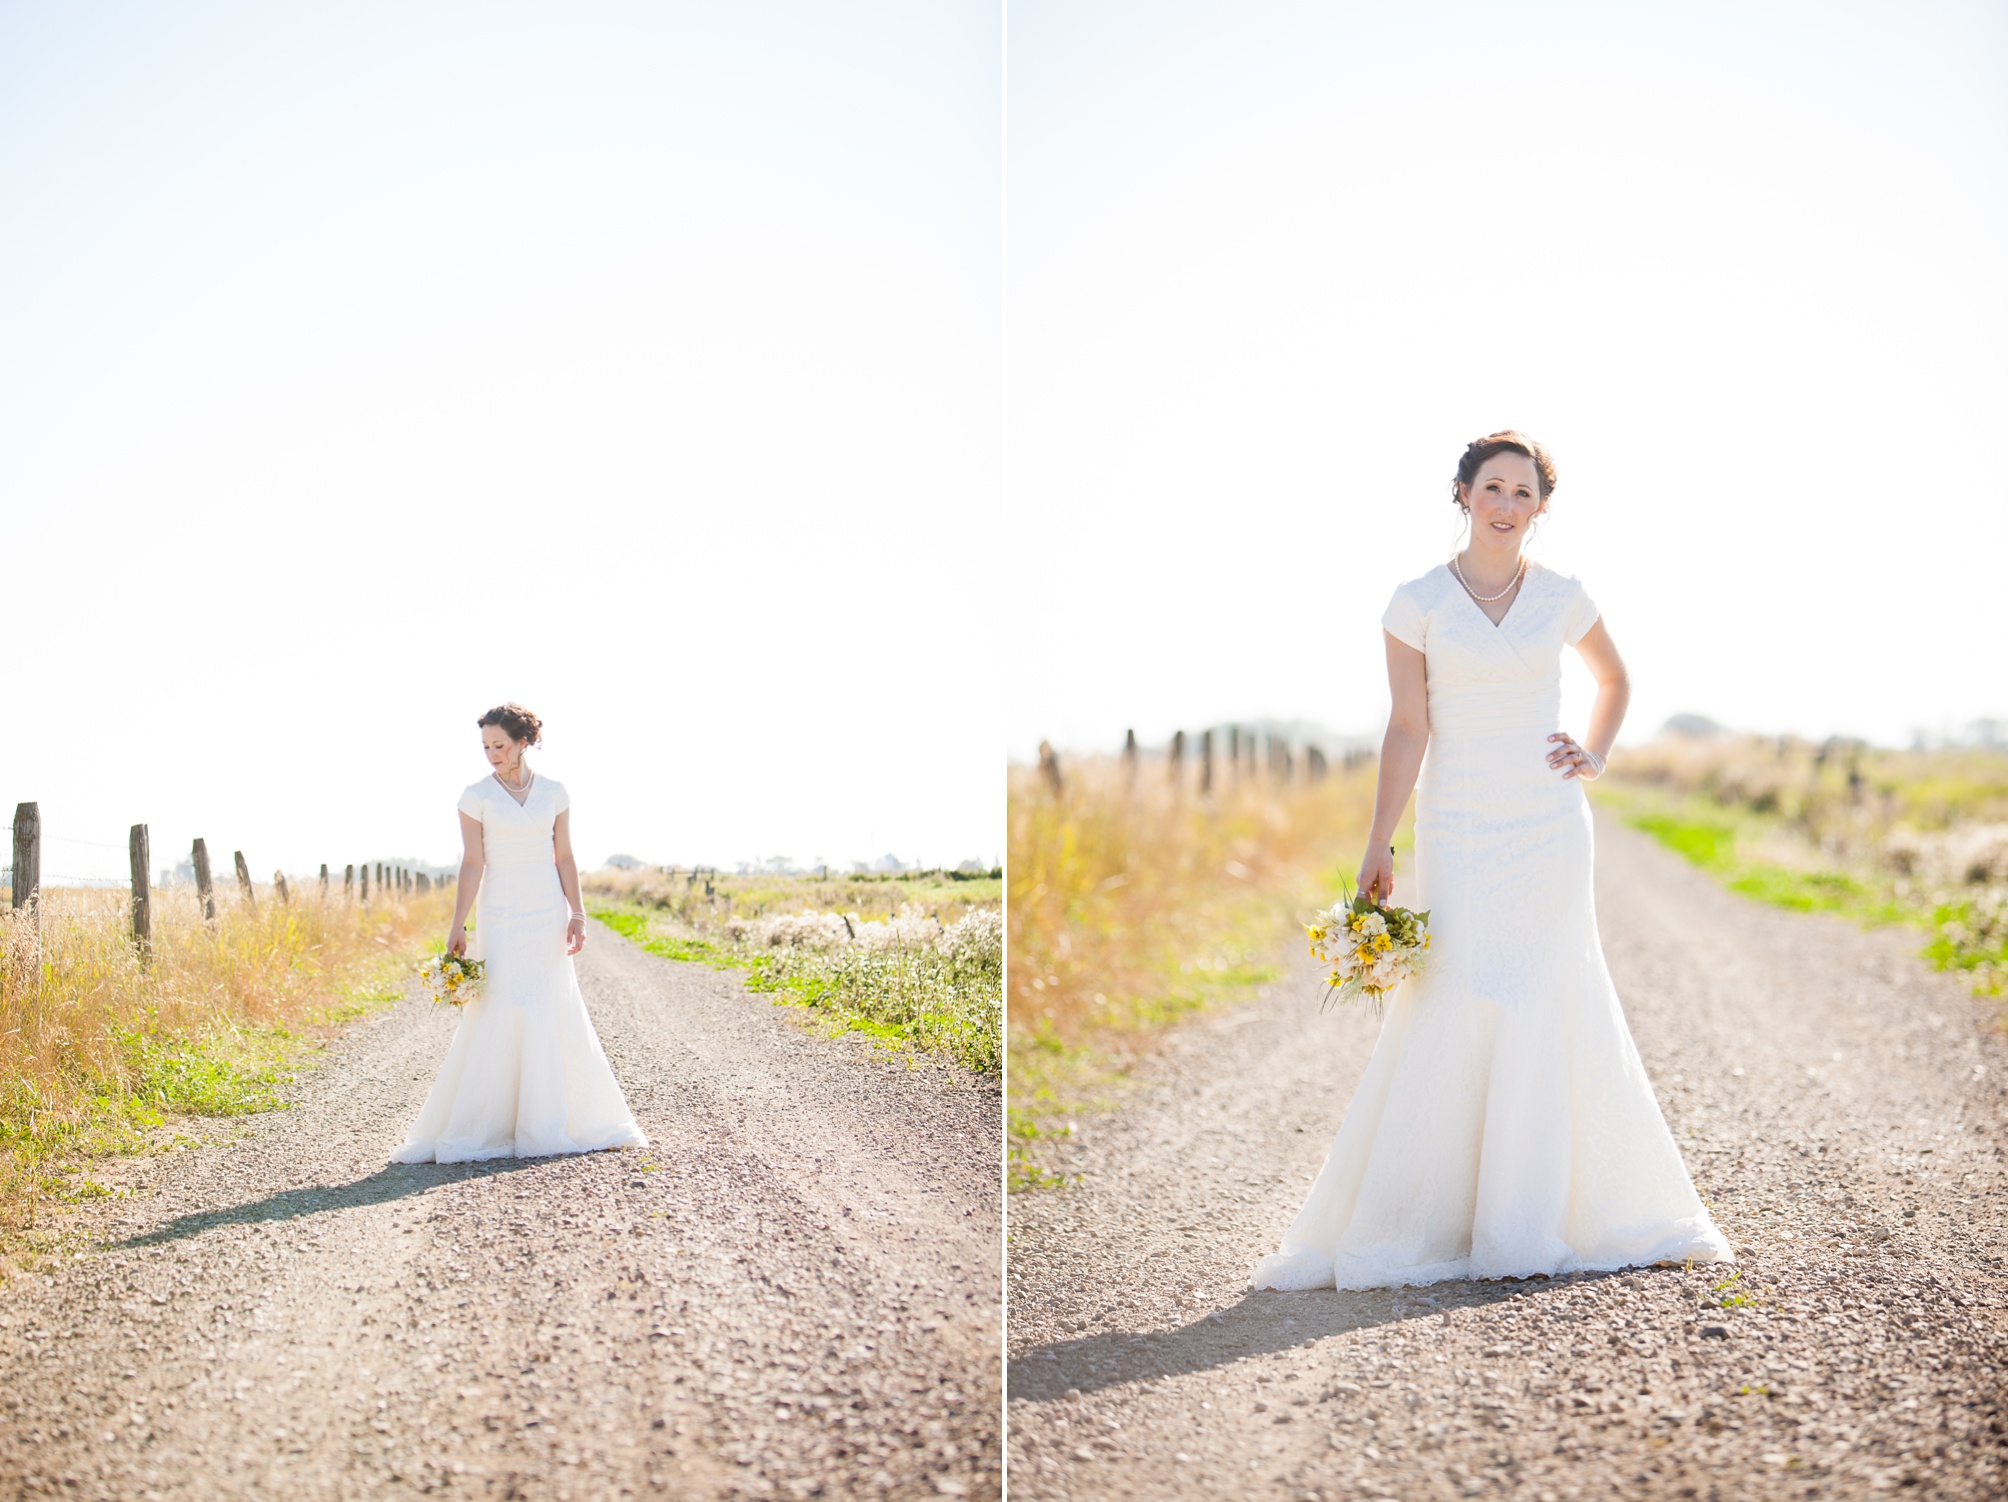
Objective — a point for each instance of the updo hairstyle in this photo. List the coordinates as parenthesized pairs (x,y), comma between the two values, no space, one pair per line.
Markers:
(1479,450)
(514,721)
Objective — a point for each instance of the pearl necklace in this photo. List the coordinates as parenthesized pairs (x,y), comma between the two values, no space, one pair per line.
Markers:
(528,779)
(1487,599)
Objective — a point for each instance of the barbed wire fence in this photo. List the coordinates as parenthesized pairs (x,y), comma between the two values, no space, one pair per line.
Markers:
(97,864)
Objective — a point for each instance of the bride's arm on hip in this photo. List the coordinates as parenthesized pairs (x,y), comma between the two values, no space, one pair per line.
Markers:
(472,863)
(1586,759)
(1401,759)
(568,878)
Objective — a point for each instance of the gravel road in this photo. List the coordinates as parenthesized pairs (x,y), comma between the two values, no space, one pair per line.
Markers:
(795,1291)
(1842,1110)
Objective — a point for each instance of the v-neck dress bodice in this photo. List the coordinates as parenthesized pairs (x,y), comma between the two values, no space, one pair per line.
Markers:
(1505,1125)
(525,1075)
(518,848)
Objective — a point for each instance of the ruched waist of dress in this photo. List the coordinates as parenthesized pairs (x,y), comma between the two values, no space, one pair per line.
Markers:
(1482,710)
(526,891)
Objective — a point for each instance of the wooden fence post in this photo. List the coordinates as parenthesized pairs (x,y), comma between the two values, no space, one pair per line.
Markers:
(27,881)
(1206,761)
(1129,754)
(1177,758)
(285,896)
(348,883)
(324,883)
(142,893)
(366,885)
(204,888)
(244,881)
(1049,767)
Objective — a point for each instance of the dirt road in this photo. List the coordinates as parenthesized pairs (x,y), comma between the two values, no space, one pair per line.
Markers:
(794,1291)
(1843,1111)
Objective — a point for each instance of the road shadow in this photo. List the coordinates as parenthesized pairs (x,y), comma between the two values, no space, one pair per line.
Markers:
(395,1181)
(1260,1324)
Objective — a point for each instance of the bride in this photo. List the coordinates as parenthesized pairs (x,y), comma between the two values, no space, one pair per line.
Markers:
(1504,1126)
(525,1076)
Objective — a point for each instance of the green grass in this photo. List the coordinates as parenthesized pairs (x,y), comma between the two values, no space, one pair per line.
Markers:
(1711,842)
(1724,843)
(632,924)
(900,998)
(1708,844)
(233,1072)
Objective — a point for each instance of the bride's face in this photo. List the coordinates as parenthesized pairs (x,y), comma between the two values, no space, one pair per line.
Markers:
(503,753)
(1504,499)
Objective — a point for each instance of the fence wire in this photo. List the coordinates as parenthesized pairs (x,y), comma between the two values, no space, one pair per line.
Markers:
(82,869)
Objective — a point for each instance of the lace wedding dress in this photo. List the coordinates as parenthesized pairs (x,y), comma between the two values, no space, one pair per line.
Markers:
(1504,1125)
(525,1076)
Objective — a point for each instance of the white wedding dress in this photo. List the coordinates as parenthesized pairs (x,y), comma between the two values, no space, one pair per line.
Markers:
(1504,1125)
(525,1076)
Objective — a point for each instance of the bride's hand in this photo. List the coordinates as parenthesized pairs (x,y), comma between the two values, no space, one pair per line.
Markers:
(1377,873)
(456,942)
(575,935)
(1574,760)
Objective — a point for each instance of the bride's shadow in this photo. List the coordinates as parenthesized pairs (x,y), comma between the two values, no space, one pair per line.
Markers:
(395,1181)
(1259,1324)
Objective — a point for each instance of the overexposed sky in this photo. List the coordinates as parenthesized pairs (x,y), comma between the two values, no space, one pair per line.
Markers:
(1740,266)
(367,364)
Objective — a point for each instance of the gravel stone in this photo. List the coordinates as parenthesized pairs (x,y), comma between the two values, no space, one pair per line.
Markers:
(1841,1109)
(793,1292)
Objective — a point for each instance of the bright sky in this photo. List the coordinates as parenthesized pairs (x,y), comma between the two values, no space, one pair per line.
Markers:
(1740,266)
(368,364)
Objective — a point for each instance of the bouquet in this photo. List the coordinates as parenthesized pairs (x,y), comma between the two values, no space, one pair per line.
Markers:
(451,978)
(1371,948)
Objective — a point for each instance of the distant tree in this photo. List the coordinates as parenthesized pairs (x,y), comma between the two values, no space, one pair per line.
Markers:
(1693,727)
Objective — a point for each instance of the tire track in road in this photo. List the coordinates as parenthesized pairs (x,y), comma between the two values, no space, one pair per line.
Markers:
(1842,1110)
(794,1291)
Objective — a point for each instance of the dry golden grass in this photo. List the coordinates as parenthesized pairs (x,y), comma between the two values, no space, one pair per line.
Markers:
(98,1045)
(1846,797)
(1134,901)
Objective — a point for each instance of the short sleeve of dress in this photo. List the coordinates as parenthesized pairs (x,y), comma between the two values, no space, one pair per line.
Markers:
(1581,614)
(560,799)
(470,803)
(1403,619)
